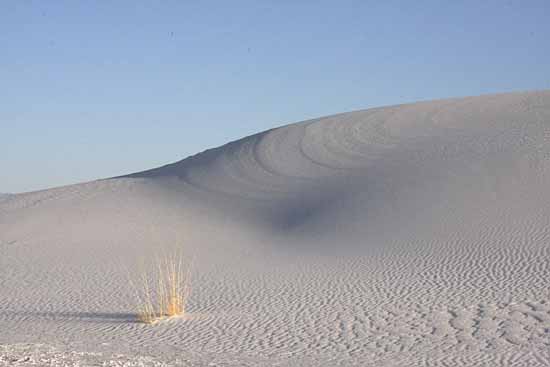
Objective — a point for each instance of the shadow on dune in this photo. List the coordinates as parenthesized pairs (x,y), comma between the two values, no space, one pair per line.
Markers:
(92,317)
(290,215)
(301,206)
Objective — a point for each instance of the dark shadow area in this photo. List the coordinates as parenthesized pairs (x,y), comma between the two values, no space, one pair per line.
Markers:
(92,317)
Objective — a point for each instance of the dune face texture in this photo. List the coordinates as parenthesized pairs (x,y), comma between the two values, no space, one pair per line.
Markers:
(406,235)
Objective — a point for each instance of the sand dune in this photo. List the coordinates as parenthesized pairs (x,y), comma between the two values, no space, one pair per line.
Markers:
(415,234)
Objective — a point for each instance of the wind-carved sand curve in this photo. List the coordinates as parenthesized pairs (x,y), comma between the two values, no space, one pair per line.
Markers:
(416,234)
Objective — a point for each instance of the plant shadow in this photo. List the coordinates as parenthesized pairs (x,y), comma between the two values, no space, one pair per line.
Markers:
(91,317)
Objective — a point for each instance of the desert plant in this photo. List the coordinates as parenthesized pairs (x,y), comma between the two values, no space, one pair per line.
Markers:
(172,276)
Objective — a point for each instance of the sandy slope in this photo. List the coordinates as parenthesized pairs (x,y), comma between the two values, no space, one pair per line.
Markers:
(407,235)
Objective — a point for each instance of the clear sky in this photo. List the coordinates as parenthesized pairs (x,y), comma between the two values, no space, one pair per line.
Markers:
(92,89)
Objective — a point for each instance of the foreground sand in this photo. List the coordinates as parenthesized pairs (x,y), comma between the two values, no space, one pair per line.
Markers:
(407,235)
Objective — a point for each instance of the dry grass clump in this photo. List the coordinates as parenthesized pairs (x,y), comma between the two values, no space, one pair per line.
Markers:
(164,289)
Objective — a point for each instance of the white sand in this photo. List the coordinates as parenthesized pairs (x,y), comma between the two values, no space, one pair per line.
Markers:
(408,235)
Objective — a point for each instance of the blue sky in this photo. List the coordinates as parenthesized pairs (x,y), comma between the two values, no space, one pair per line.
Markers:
(97,89)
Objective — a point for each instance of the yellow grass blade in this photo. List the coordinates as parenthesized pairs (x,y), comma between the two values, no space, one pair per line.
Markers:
(172,277)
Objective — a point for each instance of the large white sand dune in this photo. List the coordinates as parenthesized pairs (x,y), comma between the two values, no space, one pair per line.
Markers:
(406,235)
